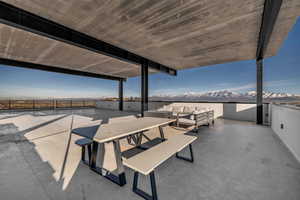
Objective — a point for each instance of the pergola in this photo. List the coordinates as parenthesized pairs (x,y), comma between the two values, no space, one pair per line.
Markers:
(120,39)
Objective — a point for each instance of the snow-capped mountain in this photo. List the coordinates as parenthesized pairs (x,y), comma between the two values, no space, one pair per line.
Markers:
(269,94)
(223,95)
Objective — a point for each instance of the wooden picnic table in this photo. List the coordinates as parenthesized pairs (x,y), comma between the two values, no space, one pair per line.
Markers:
(113,132)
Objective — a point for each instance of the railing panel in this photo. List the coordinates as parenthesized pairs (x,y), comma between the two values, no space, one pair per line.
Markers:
(43,104)
(90,103)
(21,104)
(4,105)
(76,103)
(63,103)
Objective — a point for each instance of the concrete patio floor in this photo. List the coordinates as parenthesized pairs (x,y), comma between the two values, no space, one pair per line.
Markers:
(233,160)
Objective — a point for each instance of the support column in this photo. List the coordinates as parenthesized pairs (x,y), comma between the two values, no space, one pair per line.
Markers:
(144,87)
(259,91)
(121,98)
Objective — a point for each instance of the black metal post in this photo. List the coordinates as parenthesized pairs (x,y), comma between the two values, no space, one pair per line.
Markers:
(144,87)
(28,65)
(259,91)
(269,17)
(121,98)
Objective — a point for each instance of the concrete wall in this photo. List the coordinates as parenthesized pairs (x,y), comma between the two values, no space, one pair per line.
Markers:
(128,106)
(136,106)
(245,112)
(286,124)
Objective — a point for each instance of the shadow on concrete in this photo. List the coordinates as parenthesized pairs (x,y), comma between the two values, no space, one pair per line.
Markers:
(35,160)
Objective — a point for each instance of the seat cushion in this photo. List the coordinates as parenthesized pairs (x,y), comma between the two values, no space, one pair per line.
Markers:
(186,121)
(162,114)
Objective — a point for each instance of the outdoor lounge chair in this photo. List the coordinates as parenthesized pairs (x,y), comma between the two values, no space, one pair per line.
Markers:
(198,118)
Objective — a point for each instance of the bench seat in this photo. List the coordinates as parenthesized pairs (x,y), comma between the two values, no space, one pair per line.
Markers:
(148,160)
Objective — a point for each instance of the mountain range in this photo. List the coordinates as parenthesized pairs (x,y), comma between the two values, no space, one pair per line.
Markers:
(225,95)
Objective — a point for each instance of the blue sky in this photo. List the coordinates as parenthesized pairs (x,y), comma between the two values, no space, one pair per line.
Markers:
(281,74)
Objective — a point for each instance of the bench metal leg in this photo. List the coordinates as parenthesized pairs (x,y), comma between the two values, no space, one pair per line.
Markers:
(161,132)
(140,192)
(83,153)
(89,147)
(191,159)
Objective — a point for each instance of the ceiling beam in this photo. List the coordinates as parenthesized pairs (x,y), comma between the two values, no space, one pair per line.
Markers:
(270,14)
(19,18)
(48,68)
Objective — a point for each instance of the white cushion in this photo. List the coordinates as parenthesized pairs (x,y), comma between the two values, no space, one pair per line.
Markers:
(199,111)
(165,108)
(186,121)
(189,109)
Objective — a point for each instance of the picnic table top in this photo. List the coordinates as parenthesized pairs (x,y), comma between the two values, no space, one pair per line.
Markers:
(112,131)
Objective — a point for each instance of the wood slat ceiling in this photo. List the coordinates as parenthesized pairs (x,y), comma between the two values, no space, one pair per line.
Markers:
(177,33)
(20,45)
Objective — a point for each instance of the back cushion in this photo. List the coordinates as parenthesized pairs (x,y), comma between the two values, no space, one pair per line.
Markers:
(178,109)
(167,108)
(188,109)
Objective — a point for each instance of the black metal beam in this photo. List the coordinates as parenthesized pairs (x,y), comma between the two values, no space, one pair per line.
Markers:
(48,68)
(19,18)
(121,98)
(144,88)
(269,17)
(270,14)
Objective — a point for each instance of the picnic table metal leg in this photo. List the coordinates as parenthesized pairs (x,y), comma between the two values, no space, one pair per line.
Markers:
(161,131)
(98,153)
(120,167)
(100,156)
(118,155)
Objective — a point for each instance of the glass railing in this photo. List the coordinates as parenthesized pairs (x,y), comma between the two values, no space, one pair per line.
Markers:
(46,104)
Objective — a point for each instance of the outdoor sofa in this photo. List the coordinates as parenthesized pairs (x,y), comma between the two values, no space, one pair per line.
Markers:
(185,115)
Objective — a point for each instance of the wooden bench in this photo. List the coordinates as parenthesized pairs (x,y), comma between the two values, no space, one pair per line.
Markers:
(85,143)
(147,161)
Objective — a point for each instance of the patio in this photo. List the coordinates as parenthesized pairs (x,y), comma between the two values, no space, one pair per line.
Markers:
(117,40)
(233,160)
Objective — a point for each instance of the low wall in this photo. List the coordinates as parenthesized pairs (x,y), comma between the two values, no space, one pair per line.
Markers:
(234,111)
(286,125)
(244,112)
